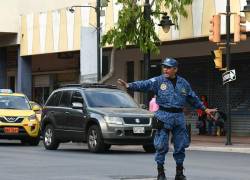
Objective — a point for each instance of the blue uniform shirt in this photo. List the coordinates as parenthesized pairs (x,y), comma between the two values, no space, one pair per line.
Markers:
(167,95)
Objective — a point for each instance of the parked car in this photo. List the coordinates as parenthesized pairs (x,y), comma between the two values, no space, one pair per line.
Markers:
(100,115)
(17,118)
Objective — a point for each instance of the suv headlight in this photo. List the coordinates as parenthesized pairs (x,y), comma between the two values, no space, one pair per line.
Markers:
(32,117)
(113,120)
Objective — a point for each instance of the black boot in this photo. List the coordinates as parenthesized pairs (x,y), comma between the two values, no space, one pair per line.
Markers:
(179,173)
(161,173)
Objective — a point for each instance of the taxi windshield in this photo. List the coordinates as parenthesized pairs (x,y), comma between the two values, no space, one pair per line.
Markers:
(14,102)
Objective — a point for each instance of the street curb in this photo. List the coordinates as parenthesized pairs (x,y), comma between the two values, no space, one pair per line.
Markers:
(220,149)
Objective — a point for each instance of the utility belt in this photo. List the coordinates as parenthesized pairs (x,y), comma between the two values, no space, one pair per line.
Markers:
(159,125)
(171,110)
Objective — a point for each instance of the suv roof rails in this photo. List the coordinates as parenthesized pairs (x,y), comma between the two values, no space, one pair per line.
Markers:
(91,85)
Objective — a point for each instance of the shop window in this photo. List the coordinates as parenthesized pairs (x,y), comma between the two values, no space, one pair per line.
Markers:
(40,94)
(105,65)
(12,83)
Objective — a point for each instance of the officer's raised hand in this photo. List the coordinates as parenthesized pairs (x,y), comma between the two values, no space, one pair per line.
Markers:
(122,82)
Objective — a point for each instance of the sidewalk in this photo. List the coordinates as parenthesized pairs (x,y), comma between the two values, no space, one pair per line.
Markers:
(217,143)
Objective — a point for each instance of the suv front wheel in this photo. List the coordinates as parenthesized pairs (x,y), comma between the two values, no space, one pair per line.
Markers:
(49,140)
(95,140)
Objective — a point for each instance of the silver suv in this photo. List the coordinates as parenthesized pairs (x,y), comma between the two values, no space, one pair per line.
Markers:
(100,115)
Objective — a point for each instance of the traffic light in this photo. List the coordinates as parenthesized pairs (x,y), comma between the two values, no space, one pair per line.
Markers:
(239,28)
(215,29)
(217,57)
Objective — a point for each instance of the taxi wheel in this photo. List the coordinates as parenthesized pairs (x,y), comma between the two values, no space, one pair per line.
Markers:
(49,140)
(95,140)
(149,148)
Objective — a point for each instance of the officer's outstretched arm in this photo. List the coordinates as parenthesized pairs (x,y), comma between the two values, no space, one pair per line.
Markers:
(145,85)
(194,101)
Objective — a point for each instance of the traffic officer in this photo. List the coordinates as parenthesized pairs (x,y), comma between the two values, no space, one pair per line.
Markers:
(172,92)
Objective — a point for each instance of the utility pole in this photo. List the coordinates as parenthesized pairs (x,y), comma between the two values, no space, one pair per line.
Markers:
(239,35)
(98,28)
(146,56)
(228,59)
(165,23)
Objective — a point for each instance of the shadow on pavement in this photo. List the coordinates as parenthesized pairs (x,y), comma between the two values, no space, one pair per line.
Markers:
(11,144)
(137,177)
(110,152)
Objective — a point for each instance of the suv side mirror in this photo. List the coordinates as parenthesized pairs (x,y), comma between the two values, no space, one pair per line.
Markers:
(77,105)
(143,106)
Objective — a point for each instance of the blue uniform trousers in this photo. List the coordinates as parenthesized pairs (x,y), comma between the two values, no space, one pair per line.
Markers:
(175,123)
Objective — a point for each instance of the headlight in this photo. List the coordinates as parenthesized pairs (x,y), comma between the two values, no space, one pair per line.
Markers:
(32,117)
(113,120)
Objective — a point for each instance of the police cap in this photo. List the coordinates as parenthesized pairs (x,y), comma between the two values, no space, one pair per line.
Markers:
(171,62)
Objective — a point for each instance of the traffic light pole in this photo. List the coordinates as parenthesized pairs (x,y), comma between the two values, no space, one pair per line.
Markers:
(98,28)
(228,59)
(146,56)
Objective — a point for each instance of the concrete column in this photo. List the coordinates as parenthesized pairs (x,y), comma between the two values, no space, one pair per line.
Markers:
(3,68)
(88,58)
(24,74)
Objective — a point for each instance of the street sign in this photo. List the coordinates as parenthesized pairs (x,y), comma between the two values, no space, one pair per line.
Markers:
(228,76)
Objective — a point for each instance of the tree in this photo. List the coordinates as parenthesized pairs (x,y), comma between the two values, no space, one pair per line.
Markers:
(133,29)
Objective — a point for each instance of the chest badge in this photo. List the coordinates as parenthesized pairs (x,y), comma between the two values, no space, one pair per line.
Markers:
(163,86)
(183,91)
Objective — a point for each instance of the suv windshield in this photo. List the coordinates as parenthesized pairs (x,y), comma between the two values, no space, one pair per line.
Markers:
(113,99)
(14,102)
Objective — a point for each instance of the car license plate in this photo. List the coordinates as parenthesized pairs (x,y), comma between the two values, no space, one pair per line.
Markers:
(11,130)
(138,130)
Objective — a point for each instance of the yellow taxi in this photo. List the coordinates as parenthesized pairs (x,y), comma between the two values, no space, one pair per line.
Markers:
(38,109)
(17,119)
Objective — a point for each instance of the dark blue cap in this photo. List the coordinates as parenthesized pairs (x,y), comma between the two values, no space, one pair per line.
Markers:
(171,62)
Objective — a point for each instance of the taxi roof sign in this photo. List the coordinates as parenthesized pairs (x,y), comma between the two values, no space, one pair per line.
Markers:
(7,91)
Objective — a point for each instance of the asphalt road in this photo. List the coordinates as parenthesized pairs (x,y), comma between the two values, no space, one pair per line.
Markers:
(74,162)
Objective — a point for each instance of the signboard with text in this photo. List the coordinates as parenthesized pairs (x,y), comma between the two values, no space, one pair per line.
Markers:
(229,76)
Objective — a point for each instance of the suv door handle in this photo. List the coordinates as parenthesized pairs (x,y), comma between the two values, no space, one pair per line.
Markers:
(67,112)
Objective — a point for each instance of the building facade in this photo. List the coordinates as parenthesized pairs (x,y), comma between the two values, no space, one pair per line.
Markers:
(44,45)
